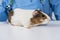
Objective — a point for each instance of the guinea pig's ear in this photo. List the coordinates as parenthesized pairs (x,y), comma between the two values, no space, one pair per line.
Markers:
(38,10)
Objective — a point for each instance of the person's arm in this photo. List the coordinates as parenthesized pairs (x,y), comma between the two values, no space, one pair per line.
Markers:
(3,15)
(56,8)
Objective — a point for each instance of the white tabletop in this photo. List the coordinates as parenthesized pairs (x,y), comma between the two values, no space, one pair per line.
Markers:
(45,32)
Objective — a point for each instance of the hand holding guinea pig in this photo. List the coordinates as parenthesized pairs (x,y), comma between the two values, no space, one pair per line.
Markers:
(27,18)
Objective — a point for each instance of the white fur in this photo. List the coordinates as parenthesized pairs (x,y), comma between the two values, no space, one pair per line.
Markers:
(22,17)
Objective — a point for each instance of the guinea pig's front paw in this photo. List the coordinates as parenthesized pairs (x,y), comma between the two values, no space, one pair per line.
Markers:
(28,26)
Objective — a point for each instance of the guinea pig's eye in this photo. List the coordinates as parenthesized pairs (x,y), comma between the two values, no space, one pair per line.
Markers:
(43,15)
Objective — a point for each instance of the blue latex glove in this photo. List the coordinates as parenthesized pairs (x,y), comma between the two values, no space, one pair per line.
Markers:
(3,14)
(56,8)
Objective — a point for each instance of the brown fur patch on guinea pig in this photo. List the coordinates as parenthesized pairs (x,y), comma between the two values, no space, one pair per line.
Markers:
(38,17)
(9,15)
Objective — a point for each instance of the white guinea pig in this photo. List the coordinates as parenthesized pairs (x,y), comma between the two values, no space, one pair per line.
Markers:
(26,18)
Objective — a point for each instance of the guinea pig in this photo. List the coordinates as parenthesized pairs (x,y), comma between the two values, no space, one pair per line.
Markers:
(27,18)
